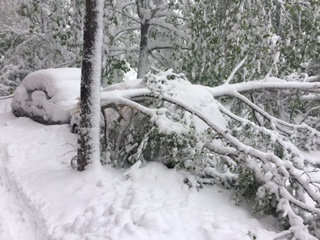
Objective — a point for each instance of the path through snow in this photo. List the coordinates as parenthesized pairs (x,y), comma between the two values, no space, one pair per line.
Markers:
(16,221)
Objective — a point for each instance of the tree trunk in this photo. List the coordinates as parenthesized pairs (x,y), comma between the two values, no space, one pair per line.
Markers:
(89,129)
(144,51)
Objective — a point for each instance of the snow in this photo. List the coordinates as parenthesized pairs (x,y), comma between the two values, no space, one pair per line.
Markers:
(266,83)
(177,89)
(42,197)
(197,98)
(48,95)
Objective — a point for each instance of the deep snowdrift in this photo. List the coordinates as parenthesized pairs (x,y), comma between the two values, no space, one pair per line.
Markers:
(43,198)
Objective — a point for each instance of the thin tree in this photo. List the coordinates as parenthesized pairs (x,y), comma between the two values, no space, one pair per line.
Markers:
(88,140)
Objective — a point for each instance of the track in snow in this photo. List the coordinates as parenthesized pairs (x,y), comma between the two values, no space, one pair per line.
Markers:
(19,219)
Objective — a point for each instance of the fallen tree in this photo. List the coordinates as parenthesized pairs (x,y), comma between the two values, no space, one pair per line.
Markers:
(251,136)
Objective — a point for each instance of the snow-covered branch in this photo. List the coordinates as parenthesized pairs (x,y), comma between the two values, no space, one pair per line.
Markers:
(159,45)
(118,31)
(167,26)
(170,13)
(265,84)
(130,16)
(269,151)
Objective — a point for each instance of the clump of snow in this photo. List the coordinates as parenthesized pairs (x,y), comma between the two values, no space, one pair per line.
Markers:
(48,95)
(191,95)
(130,75)
(273,79)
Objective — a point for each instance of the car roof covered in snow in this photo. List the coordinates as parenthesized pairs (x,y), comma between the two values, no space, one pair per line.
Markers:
(47,95)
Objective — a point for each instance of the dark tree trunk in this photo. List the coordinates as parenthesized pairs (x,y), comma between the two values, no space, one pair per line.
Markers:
(144,51)
(89,140)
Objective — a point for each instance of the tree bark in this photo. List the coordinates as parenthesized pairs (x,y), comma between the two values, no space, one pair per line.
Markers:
(144,51)
(89,129)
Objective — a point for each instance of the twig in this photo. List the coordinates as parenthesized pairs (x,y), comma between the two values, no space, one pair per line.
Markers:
(235,70)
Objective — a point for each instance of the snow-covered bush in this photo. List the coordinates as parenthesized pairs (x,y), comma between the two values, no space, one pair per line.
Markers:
(250,136)
(47,96)
(132,137)
(165,132)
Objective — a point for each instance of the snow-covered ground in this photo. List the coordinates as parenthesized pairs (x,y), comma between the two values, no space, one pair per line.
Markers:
(43,198)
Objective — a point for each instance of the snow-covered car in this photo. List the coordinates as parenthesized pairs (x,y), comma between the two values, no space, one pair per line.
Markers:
(48,96)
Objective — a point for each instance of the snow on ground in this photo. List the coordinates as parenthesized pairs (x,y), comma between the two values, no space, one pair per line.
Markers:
(42,198)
